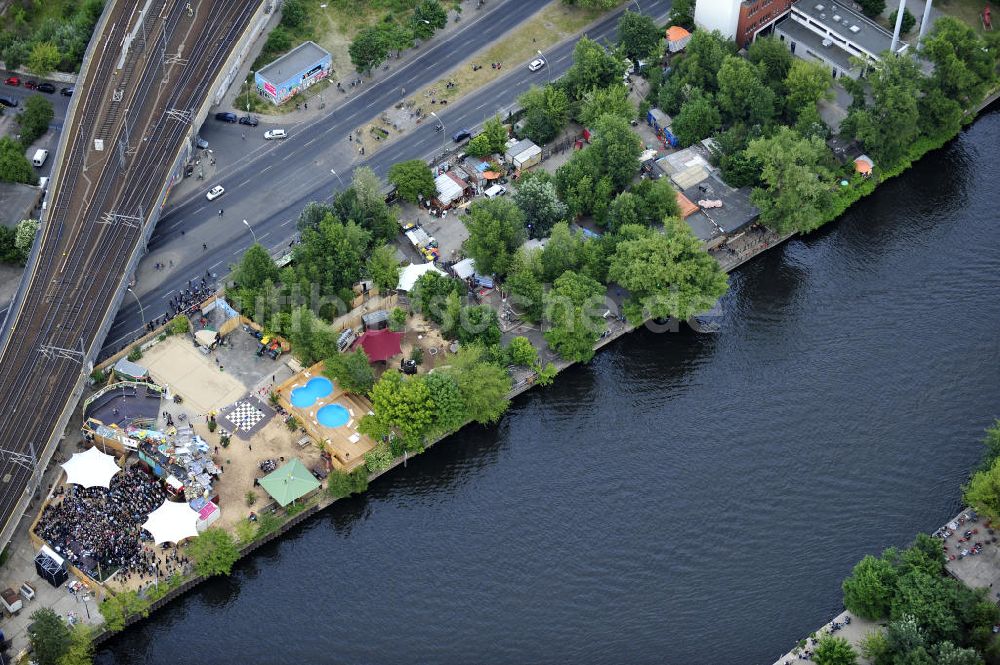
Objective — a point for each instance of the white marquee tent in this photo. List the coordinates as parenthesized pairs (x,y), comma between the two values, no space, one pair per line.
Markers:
(91,469)
(172,523)
(409,275)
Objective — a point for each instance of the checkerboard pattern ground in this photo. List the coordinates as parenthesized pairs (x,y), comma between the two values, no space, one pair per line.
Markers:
(246,416)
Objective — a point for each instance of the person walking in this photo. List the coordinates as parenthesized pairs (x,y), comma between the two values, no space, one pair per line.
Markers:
(220,212)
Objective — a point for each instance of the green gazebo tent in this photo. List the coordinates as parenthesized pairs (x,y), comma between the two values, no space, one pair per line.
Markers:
(292,481)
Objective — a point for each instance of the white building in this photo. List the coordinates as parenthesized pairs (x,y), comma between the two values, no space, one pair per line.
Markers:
(721,15)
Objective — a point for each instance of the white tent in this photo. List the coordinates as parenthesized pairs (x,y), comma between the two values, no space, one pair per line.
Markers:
(465,268)
(91,469)
(172,523)
(448,189)
(409,275)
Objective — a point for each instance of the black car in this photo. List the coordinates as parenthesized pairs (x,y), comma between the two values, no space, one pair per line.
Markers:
(8,101)
(47,88)
(66,92)
(226,116)
(249,120)
(461,135)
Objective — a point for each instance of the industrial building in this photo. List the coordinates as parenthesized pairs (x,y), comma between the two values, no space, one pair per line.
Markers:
(293,72)
(739,20)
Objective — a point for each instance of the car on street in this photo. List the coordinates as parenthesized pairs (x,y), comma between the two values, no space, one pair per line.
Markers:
(47,88)
(12,80)
(31,85)
(461,135)
(249,120)
(226,116)
(215,192)
(275,134)
(8,101)
(536,64)
(66,92)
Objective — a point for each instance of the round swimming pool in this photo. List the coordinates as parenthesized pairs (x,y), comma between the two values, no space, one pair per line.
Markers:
(305,396)
(333,415)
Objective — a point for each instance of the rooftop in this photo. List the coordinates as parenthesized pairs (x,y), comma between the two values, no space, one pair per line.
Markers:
(847,23)
(293,62)
(736,210)
(805,37)
(17,202)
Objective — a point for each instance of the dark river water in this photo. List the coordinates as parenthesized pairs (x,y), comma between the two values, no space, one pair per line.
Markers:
(683,498)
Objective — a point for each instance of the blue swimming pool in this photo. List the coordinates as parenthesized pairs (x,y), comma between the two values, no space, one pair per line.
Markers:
(305,396)
(333,415)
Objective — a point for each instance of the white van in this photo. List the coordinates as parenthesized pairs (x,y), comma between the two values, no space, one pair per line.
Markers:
(40,157)
(495,190)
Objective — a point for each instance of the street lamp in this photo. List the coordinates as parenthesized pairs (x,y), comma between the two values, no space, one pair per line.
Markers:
(545,60)
(636,3)
(334,172)
(250,228)
(252,73)
(142,314)
(444,147)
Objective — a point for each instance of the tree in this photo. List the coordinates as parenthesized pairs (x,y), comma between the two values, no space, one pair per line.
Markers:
(617,148)
(602,5)
(34,119)
(449,405)
(44,58)
(413,180)
(430,292)
(522,352)
(593,67)
(963,64)
(742,96)
(562,252)
(312,214)
(638,35)
(908,20)
(294,14)
(369,49)
(81,646)
(479,146)
(949,654)
(682,14)
(612,100)
(353,371)
(872,8)
(255,267)
(484,385)
(868,591)
(807,83)
(404,404)
(24,236)
(538,200)
(573,312)
(668,273)
(774,61)
(983,491)
(797,192)
(832,650)
(479,324)
(525,288)
(699,118)
(383,267)
(495,134)
(14,166)
(496,229)
(214,552)
(428,16)
(930,600)
(889,126)
(546,112)
(312,340)
(657,200)
(49,637)
(330,257)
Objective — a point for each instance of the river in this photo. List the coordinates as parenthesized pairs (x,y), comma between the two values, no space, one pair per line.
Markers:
(683,498)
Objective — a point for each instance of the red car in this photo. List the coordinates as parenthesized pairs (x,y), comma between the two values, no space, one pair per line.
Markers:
(31,85)
(13,80)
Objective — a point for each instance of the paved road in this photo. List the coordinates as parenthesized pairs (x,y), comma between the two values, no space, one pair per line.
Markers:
(272,181)
(60,104)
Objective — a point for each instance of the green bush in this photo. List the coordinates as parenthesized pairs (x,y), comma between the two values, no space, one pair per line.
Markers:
(379,458)
(135,354)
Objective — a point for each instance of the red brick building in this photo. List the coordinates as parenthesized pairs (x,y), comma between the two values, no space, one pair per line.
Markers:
(739,20)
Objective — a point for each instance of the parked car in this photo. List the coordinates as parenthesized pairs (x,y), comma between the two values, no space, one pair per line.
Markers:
(47,88)
(67,92)
(461,135)
(275,134)
(536,64)
(226,116)
(12,80)
(215,192)
(200,142)
(249,120)
(31,85)
(8,101)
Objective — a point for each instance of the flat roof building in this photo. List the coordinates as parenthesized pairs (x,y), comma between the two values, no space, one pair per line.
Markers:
(832,33)
(304,65)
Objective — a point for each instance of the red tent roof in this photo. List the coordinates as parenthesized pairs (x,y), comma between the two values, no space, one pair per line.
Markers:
(380,344)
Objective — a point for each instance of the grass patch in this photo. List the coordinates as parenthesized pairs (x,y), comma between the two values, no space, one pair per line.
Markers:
(967,11)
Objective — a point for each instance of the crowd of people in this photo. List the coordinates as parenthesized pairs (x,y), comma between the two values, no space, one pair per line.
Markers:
(99,530)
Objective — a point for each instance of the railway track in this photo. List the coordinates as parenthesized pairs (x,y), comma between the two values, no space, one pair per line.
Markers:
(100,212)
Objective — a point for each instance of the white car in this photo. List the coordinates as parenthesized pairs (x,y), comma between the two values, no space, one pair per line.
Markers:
(275,134)
(536,64)
(215,192)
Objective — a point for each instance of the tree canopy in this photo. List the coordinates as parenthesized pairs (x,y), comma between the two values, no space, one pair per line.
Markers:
(638,35)
(546,112)
(413,180)
(542,208)
(496,229)
(573,312)
(49,637)
(351,370)
(214,552)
